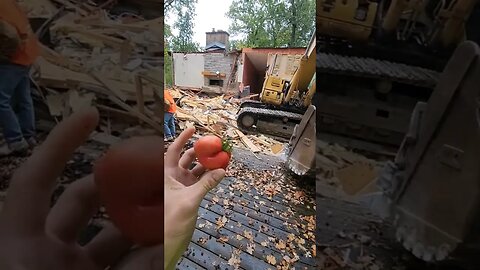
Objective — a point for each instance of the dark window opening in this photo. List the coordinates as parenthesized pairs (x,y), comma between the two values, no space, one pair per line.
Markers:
(216,82)
(382,113)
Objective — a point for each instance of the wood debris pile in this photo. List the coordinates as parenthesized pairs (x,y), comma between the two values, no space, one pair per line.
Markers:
(96,58)
(217,115)
(348,172)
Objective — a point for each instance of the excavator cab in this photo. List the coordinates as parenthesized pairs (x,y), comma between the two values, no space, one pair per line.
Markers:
(273,90)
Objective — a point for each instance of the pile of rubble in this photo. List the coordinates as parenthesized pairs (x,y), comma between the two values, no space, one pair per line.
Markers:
(96,58)
(217,115)
(343,171)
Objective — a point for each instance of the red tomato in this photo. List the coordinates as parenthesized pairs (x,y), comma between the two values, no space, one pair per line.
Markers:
(130,181)
(213,152)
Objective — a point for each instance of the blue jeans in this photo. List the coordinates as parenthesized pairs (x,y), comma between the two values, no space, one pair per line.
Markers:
(15,94)
(169,124)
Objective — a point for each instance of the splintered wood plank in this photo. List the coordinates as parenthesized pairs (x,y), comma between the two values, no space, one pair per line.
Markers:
(140,97)
(248,143)
(127,107)
(58,76)
(70,5)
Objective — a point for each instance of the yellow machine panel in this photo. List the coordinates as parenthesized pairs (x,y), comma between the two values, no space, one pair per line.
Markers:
(346,19)
(283,65)
(273,90)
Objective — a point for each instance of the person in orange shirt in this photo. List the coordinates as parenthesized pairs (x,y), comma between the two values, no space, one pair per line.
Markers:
(18,51)
(169,116)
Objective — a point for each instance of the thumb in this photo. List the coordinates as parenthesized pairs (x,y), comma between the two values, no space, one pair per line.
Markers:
(208,181)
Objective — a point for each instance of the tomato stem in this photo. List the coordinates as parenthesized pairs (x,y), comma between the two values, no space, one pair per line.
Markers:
(227,146)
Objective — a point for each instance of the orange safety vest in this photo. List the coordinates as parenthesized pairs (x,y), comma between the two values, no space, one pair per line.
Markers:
(168,97)
(29,49)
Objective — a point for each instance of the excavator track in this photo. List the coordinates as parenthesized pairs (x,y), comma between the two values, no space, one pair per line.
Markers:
(367,126)
(266,121)
(376,69)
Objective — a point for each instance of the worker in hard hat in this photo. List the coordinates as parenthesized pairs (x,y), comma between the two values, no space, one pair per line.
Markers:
(19,48)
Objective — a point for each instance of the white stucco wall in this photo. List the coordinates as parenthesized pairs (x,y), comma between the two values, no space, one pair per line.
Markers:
(188,69)
(240,73)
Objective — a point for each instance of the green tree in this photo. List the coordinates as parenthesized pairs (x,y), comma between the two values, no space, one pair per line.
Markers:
(184,13)
(272,23)
(168,64)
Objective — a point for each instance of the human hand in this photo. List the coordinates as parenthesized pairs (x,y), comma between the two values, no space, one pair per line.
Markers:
(33,236)
(184,191)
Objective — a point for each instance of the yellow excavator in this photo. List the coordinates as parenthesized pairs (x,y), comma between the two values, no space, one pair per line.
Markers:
(377,59)
(400,73)
(282,102)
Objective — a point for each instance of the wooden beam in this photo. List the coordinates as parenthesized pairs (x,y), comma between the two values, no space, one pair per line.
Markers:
(128,108)
(140,97)
(247,142)
(213,74)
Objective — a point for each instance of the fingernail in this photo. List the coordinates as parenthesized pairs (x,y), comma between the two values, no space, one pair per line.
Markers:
(218,174)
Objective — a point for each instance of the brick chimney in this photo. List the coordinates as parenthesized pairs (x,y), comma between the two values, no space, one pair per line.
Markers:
(219,36)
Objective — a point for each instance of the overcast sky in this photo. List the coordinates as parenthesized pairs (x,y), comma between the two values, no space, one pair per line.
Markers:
(210,14)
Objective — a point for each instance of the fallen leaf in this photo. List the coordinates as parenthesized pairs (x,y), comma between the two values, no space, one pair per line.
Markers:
(239,237)
(248,235)
(264,243)
(291,237)
(280,245)
(221,222)
(300,241)
(223,239)
(235,259)
(250,248)
(271,259)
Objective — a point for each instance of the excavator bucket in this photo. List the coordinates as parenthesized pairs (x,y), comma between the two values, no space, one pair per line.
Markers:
(432,189)
(301,148)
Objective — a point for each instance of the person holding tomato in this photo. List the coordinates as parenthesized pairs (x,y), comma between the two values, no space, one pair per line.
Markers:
(169,117)
(35,236)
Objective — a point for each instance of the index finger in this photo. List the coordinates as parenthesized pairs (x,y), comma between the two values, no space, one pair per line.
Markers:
(173,153)
(28,200)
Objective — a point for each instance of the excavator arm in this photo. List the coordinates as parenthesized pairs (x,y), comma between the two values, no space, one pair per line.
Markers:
(432,189)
